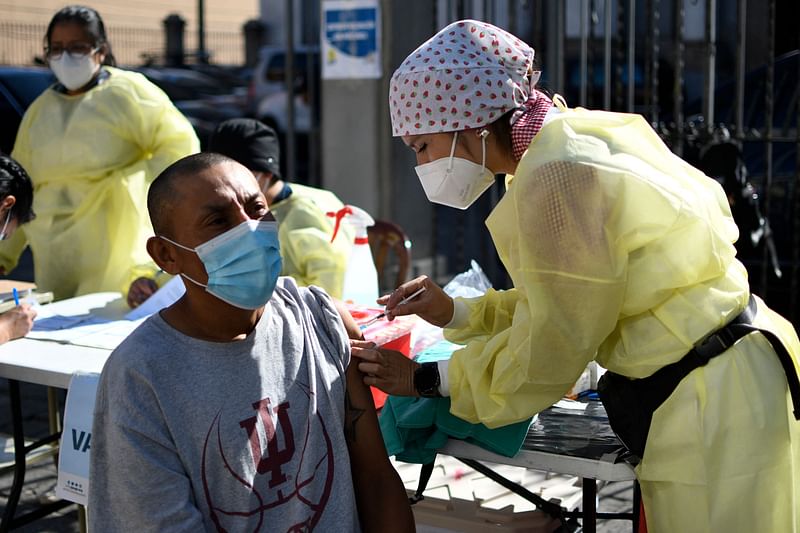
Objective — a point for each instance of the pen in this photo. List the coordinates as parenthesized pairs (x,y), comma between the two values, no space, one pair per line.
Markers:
(383,314)
(16,296)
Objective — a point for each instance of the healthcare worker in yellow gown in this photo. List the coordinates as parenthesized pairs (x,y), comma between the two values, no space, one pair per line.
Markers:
(92,144)
(620,252)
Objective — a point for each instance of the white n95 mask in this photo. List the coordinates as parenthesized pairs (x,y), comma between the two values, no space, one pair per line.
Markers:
(453,181)
(74,72)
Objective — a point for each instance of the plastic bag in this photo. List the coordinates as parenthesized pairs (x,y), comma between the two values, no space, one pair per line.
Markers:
(469,284)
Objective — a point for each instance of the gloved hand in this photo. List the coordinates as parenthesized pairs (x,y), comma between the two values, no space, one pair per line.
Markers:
(433,305)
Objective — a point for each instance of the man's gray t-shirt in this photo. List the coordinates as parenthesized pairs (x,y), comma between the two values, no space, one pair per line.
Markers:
(238,436)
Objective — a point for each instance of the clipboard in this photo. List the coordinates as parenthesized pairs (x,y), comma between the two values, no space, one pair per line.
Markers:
(39,297)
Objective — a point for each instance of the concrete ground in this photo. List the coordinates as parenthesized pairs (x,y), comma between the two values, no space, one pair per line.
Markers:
(457,499)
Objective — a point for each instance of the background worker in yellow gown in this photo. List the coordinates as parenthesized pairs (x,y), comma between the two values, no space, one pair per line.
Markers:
(92,144)
(304,229)
(619,251)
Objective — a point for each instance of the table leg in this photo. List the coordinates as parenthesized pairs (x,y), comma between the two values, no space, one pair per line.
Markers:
(53,412)
(19,456)
(552,509)
(82,519)
(637,505)
(589,505)
(9,520)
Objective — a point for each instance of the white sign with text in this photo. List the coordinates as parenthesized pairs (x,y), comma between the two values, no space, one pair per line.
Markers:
(76,438)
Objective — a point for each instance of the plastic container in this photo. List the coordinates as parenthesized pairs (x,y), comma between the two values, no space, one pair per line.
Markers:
(394,335)
(361,278)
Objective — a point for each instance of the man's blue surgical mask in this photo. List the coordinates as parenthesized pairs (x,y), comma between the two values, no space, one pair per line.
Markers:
(243,264)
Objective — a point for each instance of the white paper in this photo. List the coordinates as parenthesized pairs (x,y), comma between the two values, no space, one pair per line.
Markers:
(94,332)
(572,405)
(65,329)
(108,336)
(75,448)
(163,297)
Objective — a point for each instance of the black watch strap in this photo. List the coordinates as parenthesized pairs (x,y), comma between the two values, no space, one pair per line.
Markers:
(427,380)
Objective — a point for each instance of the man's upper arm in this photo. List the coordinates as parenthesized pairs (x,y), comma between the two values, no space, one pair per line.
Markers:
(350,325)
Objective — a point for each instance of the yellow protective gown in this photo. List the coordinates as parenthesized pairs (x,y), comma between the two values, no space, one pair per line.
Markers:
(621,252)
(304,233)
(92,158)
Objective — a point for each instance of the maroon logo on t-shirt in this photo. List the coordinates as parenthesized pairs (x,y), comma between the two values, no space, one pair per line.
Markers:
(275,458)
(297,464)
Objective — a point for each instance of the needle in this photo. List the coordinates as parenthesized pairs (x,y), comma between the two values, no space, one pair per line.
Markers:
(383,314)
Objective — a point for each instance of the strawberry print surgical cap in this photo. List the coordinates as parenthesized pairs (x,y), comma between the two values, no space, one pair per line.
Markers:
(466,76)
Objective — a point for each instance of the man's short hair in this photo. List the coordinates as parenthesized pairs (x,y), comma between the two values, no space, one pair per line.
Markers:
(164,192)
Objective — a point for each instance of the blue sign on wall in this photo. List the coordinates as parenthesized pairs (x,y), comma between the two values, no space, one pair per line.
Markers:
(351,39)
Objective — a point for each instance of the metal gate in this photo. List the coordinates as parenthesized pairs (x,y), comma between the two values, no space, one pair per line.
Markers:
(717,79)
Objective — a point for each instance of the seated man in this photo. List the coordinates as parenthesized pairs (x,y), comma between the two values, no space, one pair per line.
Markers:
(305,231)
(235,409)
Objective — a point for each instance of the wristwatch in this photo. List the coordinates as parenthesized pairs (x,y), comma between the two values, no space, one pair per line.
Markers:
(427,381)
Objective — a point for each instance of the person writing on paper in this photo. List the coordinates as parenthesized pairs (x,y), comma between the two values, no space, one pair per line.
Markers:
(619,251)
(16,199)
(92,143)
(248,416)
(311,254)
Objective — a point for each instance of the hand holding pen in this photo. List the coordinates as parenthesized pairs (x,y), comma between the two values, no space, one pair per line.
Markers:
(17,321)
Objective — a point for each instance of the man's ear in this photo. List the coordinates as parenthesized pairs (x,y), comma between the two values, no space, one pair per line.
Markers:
(163,254)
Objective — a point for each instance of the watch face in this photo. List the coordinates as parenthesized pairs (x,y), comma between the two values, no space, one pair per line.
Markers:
(426,379)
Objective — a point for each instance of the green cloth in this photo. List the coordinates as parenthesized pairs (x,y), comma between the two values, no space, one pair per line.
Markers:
(415,428)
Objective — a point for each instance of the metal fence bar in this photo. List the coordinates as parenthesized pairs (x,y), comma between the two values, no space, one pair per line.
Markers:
(290,92)
(794,286)
(584,58)
(561,21)
(677,86)
(769,105)
(607,56)
(620,51)
(741,34)
(711,51)
(655,51)
(631,53)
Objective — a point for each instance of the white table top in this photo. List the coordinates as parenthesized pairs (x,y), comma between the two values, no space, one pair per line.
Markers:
(52,363)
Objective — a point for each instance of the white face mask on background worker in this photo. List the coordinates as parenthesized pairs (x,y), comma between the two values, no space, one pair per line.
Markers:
(455,181)
(75,70)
